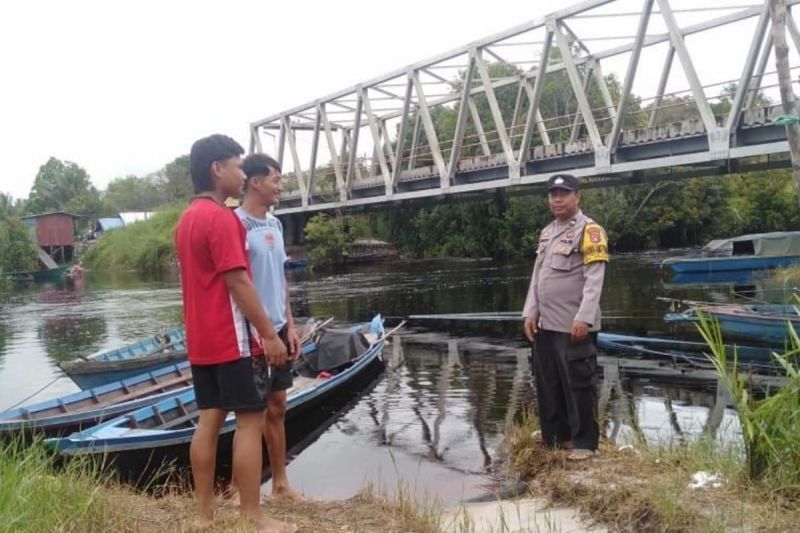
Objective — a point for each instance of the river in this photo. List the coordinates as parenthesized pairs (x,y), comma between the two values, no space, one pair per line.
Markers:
(435,420)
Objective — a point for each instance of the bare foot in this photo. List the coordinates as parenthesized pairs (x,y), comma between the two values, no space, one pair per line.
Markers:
(202,524)
(265,524)
(205,517)
(286,493)
(230,496)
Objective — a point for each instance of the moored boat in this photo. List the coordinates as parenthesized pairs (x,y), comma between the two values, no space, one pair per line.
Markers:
(693,352)
(144,441)
(745,252)
(768,324)
(296,264)
(64,415)
(139,357)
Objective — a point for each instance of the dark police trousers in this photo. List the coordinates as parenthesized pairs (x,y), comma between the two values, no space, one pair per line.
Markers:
(565,374)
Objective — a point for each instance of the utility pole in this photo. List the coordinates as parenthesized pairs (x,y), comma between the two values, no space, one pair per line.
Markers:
(778,13)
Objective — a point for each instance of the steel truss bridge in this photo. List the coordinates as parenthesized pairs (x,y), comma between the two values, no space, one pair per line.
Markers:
(603,129)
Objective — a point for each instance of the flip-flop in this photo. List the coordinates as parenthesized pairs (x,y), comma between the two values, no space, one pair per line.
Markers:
(579,454)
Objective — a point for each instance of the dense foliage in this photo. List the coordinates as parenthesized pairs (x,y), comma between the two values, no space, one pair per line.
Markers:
(327,238)
(662,214)
(17,250)
(657,214)
(146,247)
(65,186)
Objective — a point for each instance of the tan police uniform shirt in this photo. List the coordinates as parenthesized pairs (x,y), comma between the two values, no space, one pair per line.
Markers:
(568,275)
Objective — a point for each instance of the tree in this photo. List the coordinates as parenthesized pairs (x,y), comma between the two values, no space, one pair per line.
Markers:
(16,246)
(64,186)
(327,238)
(7,207)
(133,193)
(173,181)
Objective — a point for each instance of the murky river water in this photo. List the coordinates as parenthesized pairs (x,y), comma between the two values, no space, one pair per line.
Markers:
(435,420)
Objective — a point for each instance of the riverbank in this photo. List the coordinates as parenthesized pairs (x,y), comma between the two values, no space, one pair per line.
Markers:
(362,513)
(681,487)
(146,247)
(36,496)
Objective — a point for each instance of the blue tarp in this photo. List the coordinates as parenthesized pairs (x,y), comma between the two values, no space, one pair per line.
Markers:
(105,224)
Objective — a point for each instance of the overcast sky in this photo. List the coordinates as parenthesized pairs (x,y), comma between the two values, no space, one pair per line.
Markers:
(125,87)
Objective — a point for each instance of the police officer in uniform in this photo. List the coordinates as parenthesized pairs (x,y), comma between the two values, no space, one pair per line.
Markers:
(562,317)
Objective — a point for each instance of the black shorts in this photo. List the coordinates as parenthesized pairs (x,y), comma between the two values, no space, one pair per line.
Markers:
(281,376)
(241,385)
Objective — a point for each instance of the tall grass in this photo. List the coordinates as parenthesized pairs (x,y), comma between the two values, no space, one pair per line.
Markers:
(34,497)
(788,274)
(771,424)
(145,247)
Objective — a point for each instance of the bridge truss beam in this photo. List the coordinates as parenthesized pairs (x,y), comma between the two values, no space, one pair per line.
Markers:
(604,135)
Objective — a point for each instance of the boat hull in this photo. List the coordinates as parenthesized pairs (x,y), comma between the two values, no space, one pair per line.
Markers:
(752,326)
(727,264)
(693,352)
(91,374)
(146,355)
(113,399)
(145,461)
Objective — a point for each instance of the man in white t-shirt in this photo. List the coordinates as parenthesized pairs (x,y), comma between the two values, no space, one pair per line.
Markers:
(262,190)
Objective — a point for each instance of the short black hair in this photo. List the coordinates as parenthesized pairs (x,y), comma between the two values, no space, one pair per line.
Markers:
(204,152)
(258,165)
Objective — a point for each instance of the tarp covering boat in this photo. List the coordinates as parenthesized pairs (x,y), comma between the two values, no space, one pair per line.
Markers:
(336,347)
(774,244)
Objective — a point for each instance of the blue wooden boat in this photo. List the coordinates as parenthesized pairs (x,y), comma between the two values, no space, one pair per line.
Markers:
(137,358)
(73,412)
(678,350)
(295,264)
(142,443)
(723,277)
(768,324)
(746,252)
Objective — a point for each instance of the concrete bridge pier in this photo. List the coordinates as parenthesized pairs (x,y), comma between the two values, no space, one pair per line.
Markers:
(294,226)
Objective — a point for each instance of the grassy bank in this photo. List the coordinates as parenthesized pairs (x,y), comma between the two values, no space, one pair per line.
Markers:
(35,497)
(643,489)
(650,488)
(145,247)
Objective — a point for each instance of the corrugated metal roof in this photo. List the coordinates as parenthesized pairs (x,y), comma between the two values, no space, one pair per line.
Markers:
(40,215)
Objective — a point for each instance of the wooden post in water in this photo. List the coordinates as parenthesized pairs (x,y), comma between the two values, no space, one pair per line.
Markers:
(778,13)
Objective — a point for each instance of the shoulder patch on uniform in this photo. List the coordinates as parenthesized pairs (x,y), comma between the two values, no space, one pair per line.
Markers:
(594,245)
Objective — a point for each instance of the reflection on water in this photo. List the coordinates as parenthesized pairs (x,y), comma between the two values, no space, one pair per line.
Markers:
(42,325)
(5,335)
(436,418)
(636,409)
(436,421)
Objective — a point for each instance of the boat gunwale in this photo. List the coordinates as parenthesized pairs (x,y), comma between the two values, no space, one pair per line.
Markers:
(89,445)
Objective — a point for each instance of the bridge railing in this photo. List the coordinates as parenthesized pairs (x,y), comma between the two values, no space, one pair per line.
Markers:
(533,99)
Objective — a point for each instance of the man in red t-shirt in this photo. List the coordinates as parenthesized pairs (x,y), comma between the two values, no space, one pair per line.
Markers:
(230,340)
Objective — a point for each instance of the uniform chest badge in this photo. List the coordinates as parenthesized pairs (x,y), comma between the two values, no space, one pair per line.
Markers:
(569,235)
